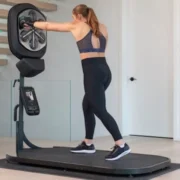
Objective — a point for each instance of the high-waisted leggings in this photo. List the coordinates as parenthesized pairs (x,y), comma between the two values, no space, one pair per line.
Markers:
(97,77)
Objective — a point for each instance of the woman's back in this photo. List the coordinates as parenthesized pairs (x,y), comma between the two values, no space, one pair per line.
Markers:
(88,43)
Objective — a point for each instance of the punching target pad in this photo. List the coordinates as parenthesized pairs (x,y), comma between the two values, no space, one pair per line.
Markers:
(26,42)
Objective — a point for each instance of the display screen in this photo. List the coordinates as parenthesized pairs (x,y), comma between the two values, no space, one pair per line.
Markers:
(29,95)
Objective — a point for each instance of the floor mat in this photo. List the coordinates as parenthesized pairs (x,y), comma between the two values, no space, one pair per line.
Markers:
(58,172)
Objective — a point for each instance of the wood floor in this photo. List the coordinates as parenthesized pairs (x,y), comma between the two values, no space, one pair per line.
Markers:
(164,147)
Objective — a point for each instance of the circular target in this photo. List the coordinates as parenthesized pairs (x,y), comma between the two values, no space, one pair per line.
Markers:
(22,39)
(33,39)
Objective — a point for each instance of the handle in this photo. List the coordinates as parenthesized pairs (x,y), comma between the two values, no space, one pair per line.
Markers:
(133,79)
(15,81)
(15,112)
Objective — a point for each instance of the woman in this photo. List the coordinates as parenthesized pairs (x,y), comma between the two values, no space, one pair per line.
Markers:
(91,38)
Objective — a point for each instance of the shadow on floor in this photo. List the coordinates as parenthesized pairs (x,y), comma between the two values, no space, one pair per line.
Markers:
(61,172)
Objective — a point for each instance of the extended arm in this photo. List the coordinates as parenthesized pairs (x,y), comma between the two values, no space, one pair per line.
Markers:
(53,26)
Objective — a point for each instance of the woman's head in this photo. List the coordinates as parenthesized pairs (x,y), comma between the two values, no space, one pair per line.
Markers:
(87,14)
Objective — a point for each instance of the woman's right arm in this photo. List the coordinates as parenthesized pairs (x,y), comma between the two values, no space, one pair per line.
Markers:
(104,31)
(55,26)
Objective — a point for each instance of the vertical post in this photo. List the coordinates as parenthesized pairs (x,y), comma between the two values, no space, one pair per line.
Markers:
(20,123)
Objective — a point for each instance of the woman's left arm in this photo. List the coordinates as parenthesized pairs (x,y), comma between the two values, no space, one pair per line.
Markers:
(53,26)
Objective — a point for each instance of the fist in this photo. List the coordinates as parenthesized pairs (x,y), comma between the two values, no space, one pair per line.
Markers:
(25,22)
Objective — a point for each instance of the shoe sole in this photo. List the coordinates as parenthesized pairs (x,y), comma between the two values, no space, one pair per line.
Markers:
(120,156)
(84,151)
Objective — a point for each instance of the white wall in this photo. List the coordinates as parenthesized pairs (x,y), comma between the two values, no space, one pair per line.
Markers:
(63,69)
(6,73)
(176,107)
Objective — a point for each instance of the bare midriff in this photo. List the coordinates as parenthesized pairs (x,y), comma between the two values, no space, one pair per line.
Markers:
(91,55)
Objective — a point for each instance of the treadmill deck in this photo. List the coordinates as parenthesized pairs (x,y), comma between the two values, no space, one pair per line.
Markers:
(132,164)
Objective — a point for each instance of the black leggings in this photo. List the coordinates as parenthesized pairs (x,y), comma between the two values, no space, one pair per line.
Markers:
(97,77)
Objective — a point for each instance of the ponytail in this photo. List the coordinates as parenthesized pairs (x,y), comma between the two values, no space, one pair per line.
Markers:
(93,22)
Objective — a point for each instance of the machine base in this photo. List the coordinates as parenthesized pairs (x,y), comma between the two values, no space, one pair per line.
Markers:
(132,164)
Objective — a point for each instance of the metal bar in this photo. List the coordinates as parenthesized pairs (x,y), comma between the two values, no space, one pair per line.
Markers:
(28,33)
(39,36)
(29,144)
(20,123)
(20,135)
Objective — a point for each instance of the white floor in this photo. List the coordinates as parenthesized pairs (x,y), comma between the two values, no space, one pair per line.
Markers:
(163,147)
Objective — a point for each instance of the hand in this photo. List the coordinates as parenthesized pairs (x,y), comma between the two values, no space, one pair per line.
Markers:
(25,22)
(31,24)
(26,26)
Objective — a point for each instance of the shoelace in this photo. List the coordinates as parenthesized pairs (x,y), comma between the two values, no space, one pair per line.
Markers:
(114,148)
(81,144)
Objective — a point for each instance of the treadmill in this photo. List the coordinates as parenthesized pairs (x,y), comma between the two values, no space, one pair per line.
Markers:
(29,46)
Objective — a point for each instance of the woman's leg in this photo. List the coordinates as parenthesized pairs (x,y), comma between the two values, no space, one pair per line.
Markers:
(87,145)
(96,86)
(89,119)
(97,77)
(106,84)
(96,97)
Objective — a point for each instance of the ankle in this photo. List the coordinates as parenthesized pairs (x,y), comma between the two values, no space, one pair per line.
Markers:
(88,141)
(120,143)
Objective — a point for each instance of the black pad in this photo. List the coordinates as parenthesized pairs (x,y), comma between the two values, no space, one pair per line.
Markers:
(30,102)
(30,67)
(132,164)
(22,46)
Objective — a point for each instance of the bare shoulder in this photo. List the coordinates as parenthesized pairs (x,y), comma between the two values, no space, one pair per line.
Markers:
(80,30)
(102,26)
(103,29)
